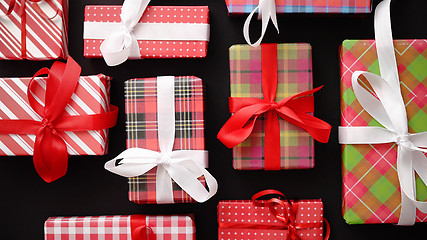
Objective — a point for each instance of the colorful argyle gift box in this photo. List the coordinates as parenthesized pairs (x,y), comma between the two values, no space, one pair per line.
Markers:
(164,111)
(303,6)
(31,122)
(273,219)
(36,30)
(291,69)
(130,227)
(157,31)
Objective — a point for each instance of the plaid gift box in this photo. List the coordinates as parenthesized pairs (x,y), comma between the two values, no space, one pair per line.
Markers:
(294,76)
(191,15)
(242,219)
(119,227)
(304,6)
(371,189)
(37,33)
(92,96)
(141,125)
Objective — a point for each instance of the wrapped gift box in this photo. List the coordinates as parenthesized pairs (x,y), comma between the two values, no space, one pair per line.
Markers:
(371,189)
(141,124)
(237,7)
(44,25)
(92,96)
(119,227)
(242,219)
(294,76)
(191,15)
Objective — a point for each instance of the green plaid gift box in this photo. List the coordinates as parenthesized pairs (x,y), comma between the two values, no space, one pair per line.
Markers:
(141,127)
(371,189)
(294,76)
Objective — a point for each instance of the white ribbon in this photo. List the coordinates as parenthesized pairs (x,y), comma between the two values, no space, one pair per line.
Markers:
(183,166)
(389,110)
(266,11)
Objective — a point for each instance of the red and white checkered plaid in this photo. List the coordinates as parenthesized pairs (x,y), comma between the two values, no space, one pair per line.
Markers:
(117,228)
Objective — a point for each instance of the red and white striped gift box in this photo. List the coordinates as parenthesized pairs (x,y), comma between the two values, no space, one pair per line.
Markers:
(91,96)
(119,227)
(153,14)
(43,26)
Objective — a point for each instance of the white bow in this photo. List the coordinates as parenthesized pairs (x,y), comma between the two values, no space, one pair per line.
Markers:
(120,45)
(183,166)
(267,11)
(389,110)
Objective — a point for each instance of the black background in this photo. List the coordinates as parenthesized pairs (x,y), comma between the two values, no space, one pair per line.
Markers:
(87,189)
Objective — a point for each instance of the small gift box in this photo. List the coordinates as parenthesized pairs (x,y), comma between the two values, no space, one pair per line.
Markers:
(133,227)
(280,138)
(51,117)
(165,127)
(34,30)
(125,32)
(273,219)
(383,131)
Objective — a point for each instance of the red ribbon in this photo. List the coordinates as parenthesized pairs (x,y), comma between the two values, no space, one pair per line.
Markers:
(294,109)
(139,228)
(288,217)
(50,151)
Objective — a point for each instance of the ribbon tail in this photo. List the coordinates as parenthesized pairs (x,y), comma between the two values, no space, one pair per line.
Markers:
(164,189)
(265,15)
(406,176)
(115,49)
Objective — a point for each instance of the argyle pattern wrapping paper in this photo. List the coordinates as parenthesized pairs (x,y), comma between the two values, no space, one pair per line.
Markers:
(303,6)
(141,125)
(91,96)
(117,228)
(371,192)
(294,76)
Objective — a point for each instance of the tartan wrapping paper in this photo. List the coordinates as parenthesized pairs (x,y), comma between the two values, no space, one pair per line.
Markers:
(244,212)
(294,76)
(117,227)
(371,192)
(303,6)
(153,14)
(141,127)
(92,96)
(46,37)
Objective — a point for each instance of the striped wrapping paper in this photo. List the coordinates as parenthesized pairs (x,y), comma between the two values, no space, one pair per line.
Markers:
(303,6)
(118,227)
(371,189)
(153,14)
(294,76)
(46,31)
(141,127)
(92,96)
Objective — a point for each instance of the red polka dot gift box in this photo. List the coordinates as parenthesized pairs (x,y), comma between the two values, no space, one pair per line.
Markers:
(160,32)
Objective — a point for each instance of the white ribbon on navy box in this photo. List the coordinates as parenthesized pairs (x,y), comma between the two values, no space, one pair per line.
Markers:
(183,166)
(389,110)
(266,11)
(121,39)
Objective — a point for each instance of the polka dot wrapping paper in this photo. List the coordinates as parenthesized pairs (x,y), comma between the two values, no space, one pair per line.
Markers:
(243,220)
(153,14)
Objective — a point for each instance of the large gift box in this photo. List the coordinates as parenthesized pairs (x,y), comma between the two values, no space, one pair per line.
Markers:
(253,72)
(35,31)
(246,219)
(161,32)
(310,6)
(372,175)
(165,124)
(69,112)
(130,227)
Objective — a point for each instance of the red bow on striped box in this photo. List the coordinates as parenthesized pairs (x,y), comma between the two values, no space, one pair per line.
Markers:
(33,29)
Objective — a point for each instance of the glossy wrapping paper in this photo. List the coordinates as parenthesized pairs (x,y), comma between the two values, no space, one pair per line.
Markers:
(141,125)
(371,189)
(92,96)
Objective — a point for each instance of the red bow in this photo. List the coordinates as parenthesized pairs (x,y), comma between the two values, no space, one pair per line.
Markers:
(50,151)
(22,13)
(294,109)
(139,228)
